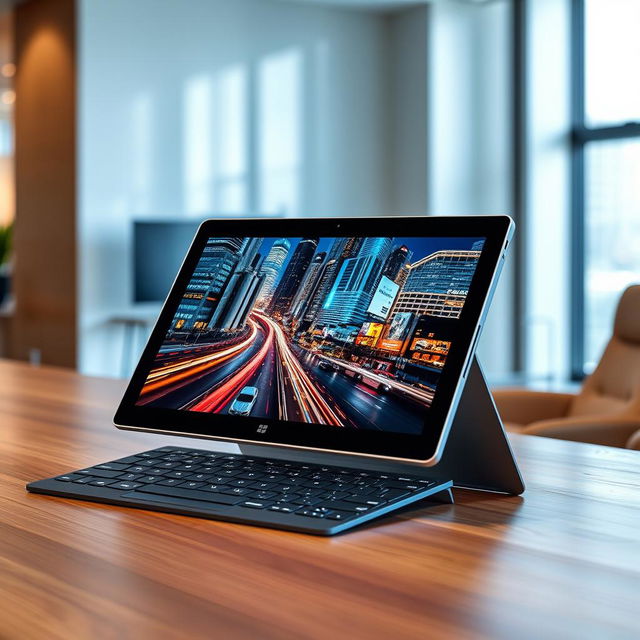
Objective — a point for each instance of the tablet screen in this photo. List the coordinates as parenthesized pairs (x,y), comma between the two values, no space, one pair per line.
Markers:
(344,332)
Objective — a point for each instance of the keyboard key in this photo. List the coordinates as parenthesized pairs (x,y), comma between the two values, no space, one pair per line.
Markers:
(284,507)
(361,490)
(69,477)
(214,487)
(99,473)
(129,476)
(394,494)
(311,513)
(342,505)
(359,500)
(170,482)
(252,475)
(228,473)
(127,486)
(412,486)
(261,485)
(240,483)
(204,496)
(178,474)
(100,483)
(305,491)
(334,495)
(200,477)
(265,495)
(85,479)
(256,504)
(114,466)
(307,501)
(236,491)
(147,479)
(339,515)
(192,485)
(129,460)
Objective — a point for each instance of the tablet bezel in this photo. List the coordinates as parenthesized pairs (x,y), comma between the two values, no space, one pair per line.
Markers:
(425,448)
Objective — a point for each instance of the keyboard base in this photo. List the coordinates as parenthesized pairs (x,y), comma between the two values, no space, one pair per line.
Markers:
(438,492)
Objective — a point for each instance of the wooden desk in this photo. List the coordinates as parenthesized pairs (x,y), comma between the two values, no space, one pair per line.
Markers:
(561,562)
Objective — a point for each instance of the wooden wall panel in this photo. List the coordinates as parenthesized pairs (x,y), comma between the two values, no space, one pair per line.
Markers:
(45,126)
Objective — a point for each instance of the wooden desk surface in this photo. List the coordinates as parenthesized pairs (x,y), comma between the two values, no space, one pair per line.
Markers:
(563,561)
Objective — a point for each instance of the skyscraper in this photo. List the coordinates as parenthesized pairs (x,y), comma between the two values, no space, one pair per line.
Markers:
(293,275)
(219,258)
(271,269)
(239,293)
(341,249)
(437,285)
(398,258)
(308,286)
(355,284)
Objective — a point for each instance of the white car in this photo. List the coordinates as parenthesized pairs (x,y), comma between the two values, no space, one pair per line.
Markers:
(244,402)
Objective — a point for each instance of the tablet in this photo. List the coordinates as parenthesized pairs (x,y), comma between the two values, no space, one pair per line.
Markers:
(348,335)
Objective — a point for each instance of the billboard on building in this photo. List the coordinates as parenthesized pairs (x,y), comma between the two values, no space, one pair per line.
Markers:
(383,298)
(369,334)
(429,344)
(397,332)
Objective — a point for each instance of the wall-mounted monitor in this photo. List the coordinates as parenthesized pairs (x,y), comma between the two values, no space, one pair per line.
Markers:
(158,249)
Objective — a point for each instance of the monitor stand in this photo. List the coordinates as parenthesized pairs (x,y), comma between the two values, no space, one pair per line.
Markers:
(477,454)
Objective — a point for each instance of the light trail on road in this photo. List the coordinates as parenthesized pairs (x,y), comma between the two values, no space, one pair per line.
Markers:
(313,406)
(217,398)
(424,396)
(172,373)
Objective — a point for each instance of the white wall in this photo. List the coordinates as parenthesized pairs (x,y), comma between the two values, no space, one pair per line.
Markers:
(260,106)
(469,96)
(409,110)
(192,109)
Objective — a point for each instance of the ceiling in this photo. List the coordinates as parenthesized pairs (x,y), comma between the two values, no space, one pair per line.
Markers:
(378,5)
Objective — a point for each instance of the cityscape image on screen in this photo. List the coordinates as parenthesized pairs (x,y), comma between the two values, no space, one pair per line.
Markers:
(347,332)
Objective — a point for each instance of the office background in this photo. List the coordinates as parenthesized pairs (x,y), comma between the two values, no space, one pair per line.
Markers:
(116,112)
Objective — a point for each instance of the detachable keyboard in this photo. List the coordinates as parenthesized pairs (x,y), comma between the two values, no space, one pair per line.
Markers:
(260,491)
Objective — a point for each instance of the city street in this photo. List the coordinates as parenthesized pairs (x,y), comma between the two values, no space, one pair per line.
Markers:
(291,385)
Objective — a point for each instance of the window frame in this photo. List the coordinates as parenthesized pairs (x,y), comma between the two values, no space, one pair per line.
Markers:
(581,136)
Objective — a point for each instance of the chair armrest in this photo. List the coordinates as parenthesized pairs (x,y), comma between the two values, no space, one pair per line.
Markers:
(610,431)
(634,441)
(522,406)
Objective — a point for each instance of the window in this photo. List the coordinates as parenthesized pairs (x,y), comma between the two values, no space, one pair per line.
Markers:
(606,169)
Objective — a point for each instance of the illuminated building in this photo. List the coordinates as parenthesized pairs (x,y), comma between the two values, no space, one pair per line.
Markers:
(341,249)
(239,296)
(218,261)
(309,285)
(293,275)
(402,276)
(438,284)
(393,267)
(271,269)
(355,284)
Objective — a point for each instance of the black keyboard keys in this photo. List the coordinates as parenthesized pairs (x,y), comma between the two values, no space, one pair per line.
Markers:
(291,495)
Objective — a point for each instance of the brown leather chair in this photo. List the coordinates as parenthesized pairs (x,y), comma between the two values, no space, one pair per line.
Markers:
(607,409)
